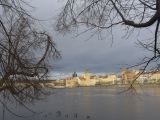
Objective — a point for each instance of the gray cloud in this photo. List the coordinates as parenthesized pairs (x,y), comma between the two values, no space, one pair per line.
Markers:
(79,54)
(97,55)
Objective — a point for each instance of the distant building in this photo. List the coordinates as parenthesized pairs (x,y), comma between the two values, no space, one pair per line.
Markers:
(74,74)
(118,79)
(86,79)
(129,75)
(144,78)
(155,76)
(108,79)
(86,75)
(150,77)
(71,82)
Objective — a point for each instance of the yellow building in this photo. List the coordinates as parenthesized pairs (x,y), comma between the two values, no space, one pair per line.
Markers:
(84,80)
(129,75)
(108,79)
(71,82)
(87,80)
(86,75)
(155,76)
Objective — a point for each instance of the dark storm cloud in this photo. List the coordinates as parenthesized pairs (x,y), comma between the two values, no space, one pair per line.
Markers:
(97,55)
(79,54)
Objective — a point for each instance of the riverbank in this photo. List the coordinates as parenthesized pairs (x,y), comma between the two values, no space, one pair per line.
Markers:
(61,84)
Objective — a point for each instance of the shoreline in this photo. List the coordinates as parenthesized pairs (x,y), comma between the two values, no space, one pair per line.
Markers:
(112,86)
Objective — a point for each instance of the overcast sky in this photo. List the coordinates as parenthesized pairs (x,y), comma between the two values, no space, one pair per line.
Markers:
(79,53)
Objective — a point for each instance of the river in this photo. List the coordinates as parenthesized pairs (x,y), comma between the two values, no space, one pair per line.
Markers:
(92,103)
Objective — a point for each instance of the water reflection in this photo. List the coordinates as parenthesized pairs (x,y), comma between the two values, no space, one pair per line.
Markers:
(11,100)
(58,113)
(94,104)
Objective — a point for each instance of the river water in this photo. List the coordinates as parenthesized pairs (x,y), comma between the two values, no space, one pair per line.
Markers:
(93,103)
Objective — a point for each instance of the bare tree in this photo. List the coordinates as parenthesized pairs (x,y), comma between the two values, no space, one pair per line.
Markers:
(105,14)
(24,53)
